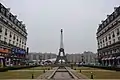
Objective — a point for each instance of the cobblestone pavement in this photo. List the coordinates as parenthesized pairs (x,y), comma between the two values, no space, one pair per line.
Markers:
(47,74)
(62,76)
(79,76)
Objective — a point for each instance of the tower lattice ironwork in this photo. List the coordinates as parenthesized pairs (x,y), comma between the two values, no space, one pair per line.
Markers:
(61,50)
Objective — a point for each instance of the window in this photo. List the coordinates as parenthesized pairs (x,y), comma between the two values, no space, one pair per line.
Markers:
(5,31)
(14,37)
(113,35)
(10,34)
(103,45)
(109,36)
(119,38)
(13,42)
(16,44)
(110,42)
(113,40)
(17,38)
(0,28)
(5,39)
(106,44)
(118,32)
(106,38)
(0,37)
(22,46)
(98,47)
(20,40)
(25,43)
(103,40)
(9,41)
(19,45)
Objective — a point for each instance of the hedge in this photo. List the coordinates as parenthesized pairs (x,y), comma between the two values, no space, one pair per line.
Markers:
(15,68)
(103,67)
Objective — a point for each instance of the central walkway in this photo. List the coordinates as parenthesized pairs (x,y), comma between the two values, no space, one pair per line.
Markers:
(61,74)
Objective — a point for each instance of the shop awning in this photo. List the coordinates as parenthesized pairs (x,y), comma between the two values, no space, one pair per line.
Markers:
(113,57)
(106,58)
(118,57)
(109,58)
(103,58)
(1,57)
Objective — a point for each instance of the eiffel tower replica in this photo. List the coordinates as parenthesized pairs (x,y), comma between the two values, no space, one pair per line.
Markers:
(61,50)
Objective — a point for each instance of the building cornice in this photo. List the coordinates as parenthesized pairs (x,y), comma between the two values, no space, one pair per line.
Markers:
(13,18)
(109,19)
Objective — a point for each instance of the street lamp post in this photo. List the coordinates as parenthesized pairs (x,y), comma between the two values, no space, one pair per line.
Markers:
(33,73)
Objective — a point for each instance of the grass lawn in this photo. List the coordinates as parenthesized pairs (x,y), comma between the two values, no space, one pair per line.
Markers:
(19,74)
(99,73)
(86,68)
(37,68)
(23,73)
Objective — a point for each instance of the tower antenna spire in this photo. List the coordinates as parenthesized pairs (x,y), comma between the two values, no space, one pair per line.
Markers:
(61,50)
(61,41)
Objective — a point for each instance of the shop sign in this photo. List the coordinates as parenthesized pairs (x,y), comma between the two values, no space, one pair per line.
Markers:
(4,50)
(18,51)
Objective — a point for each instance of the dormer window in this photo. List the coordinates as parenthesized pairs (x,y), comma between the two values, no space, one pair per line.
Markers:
(108,20)
(7,13)
(102,26)
(105,23)
(11,17)
(19,23)
(115,13)
(15,21)
(3,9)
(111,17)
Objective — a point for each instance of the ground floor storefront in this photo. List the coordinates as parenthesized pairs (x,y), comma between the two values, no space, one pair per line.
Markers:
(8,61)
(114,61)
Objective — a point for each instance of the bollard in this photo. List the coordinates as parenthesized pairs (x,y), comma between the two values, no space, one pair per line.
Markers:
(44,71)
(32,76)
(48,68)
(91,75)
(80,70)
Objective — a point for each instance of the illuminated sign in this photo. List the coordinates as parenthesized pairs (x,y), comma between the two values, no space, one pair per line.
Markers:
(18,51)
(4,50)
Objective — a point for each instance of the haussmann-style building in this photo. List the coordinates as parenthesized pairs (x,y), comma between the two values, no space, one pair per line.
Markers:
(108,39)
(13,37)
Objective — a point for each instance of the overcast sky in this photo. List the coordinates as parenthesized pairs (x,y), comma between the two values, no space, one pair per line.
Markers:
(45,18)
